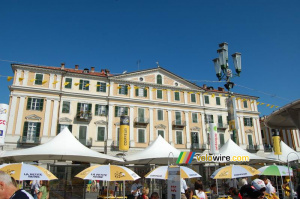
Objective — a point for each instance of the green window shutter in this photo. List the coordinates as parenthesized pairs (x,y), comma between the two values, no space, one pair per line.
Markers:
(97,109)
(218,101)
(90,108)
(126,111)
(103,85)
(177,96)
(81,84)
(159,114)
(116,111)
(29,103)
(78,108)
(245,122)
(88,87)
(126,90)
(38,79)
(120,89)
(25,129)
(158,79)
(145,92)
(251,122)
(70,83)
(193,98)
(136,92)
(38,129)
(41,104)
(98,86)
(250,141)
(222,139)
(159,94)
(206,99)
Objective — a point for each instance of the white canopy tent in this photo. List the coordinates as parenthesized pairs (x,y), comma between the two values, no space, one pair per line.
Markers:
(230,148)
(62,147)
(286,150)
(159,152)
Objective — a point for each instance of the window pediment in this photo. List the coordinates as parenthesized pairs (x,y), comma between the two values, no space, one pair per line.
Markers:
(101,122)
(65,119)
(33,117)
(195,128)
(160,126)
(249,131)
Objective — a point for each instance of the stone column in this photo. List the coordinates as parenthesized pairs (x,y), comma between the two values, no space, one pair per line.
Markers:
(111,90)
(185,97)
(110,125)
(25,80)
(241,132)
(18,75)
(201,99)
(170,127)
(261,147)
(20,116)
(57,85)
(150,93)
(51,81)
(187,130)
(169,95)
(54,118)
(203,129)
(47,117)
(131,91)
(132,143)
(11,119)
(151,125)
(255,132)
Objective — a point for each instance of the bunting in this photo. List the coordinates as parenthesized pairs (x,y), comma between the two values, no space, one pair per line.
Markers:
(76,84)
(32,80)
(66,83)
(44,82)
(87,85)
(21,79)
(55,82)
(9,78)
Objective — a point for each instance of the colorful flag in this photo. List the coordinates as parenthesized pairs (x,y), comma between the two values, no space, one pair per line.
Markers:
(9,78)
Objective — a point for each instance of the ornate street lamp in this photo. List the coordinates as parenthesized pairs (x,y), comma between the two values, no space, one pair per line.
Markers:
(224,73)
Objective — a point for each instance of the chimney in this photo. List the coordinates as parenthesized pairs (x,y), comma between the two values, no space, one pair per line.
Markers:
(62,66)
(76,67)
(92,69)
(106,71)
(220,89)
(204,86)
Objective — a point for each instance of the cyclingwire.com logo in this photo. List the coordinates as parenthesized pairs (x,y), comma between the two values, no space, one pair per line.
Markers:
(187,158)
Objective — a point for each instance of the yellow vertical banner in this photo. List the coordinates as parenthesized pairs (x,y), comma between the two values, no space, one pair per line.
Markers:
(124,133)
(276,142)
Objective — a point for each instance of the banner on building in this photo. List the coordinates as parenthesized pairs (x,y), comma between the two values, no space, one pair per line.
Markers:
(213,134)
(174,182)
(276,142)
(232,117)
(3,121)
(124,133)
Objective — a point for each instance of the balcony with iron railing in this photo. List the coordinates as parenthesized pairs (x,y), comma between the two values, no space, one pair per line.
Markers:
(268,148)
(84,116)
(30,140)
(222,126)
(141,121)
(198,147)
(180,124)
(252,148)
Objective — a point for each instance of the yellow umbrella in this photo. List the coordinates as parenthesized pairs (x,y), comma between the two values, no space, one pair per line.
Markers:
(108,173)
(234,171)
(22,171)
(162,173)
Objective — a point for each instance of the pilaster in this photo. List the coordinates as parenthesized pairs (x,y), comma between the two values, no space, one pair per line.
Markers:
(151,132)
(20,116)
(12,112)
(47,117)
(54,118)
(132,143)
(204,134)
(187,130)
(25,80)
(170,127)
(110,125)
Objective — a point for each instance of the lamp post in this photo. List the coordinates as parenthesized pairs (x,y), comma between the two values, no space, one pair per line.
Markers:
(290,183)
(224,73)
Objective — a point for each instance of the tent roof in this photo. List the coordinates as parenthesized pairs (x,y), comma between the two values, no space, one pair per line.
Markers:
(62,147)
(285,152)
(230,148)
(157,153)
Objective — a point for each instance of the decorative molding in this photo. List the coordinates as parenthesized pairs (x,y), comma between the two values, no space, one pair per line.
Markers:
(249,131)
(160,126)
(33,117)
(195,128)
(65,119)
(100,122)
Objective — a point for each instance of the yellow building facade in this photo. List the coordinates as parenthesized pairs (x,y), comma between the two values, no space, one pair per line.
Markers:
(44,100)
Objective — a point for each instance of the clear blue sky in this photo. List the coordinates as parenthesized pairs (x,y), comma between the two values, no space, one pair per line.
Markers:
(182,35)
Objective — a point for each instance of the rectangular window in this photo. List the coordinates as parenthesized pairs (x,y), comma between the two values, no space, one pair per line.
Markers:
(101,87)
(120,110)
(178,118)
(141,115)
(101,133)
(179,137)
(209,119)
(222,139)
(141,136)
(220,121)
(250,141)
(141,92)
(84,111)
(100,110)
(193,97)
(195,140)
(248,122)
(160,115)
(177,96)
(206,99)
(195,117)
(61,127)
(245,104)
(218,102)
(82,134)
(159,94)
(84,85)
(161,133)
(66,107)
(38,79)
(68,83)
(35,104)
(31,132)
(123,89)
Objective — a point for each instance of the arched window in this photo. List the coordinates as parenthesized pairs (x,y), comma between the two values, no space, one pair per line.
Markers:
(158,79)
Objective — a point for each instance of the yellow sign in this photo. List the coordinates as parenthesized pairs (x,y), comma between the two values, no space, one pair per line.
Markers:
(232,125)
(276,143)
(124,133)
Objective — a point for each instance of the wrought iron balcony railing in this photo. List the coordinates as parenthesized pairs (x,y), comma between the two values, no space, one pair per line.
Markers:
(222,126)
(30,140)
(141,120)
(179,123)
(84,115)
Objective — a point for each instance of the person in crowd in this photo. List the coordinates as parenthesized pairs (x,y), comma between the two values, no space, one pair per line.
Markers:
(199,190)
(298,191)
(136,189)
(145,193)
(183,188)
(249,192)
(269,187)
(234,193)
(286,187)
(231,183)
(190,194)
(243,181)
(35,186)
(260,185)
(213,191)
(44,190)
(9,190)
(154,195)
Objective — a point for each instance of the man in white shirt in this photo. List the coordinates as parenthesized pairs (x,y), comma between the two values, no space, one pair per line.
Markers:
(136,189)
(269,187)
(183,188)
